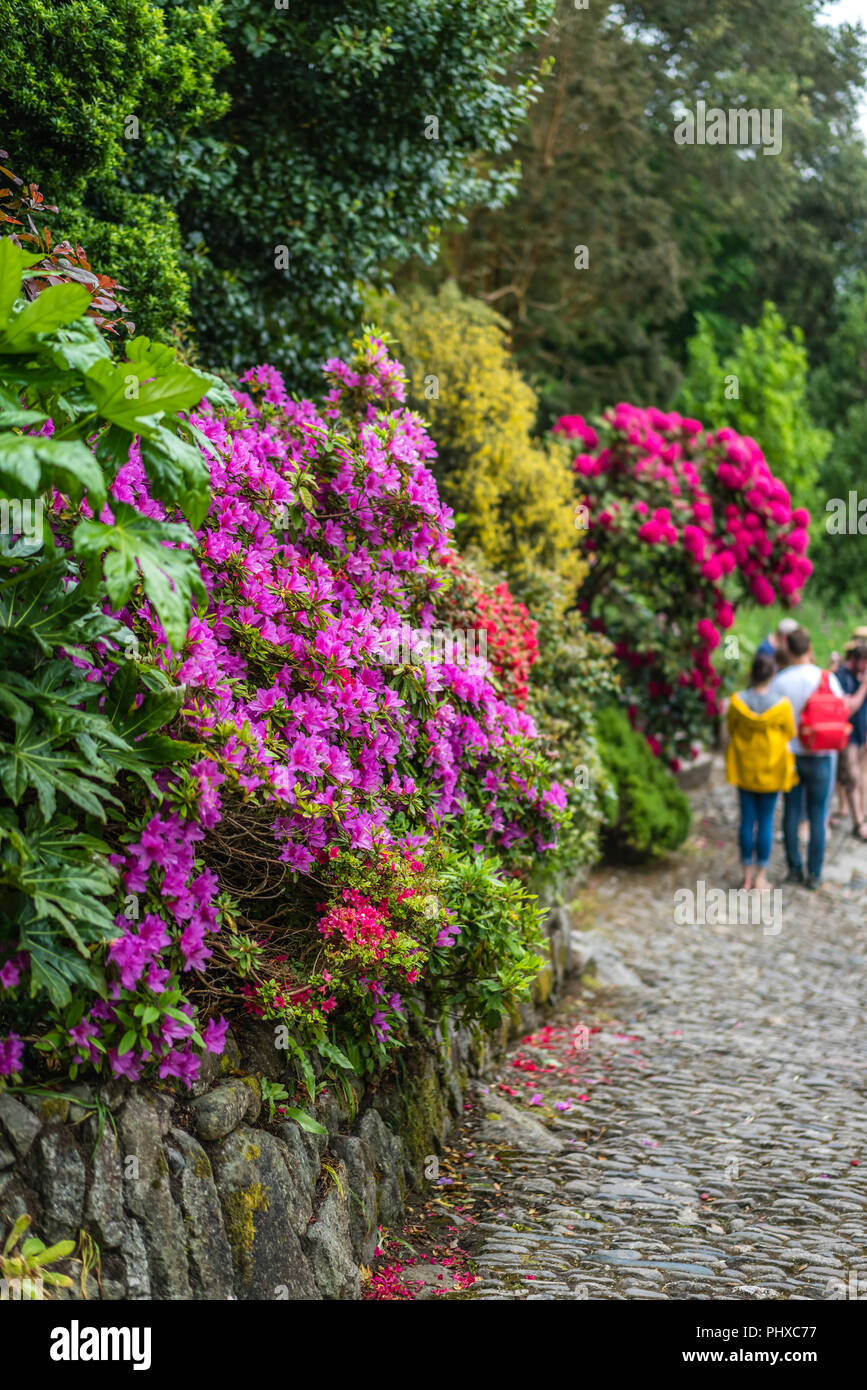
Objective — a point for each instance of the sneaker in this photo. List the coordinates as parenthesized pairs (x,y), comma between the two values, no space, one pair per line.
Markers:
(794,876)
(813,883)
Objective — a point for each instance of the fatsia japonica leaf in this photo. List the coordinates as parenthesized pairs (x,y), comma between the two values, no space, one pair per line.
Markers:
(68,885)
(149,358)
(161,749)
(177,473)
(134,548)
(126,398)
(155,711)
(30,464)
(146,353)
(218,393)
(13,263)
(55,307)
(44,762)
(15,416)
(50,609)
(60,747)
(54,882)
(54,966)
(78,346)
(140,724)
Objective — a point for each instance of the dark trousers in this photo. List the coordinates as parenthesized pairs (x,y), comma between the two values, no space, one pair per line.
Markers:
(757,826)
(815,784)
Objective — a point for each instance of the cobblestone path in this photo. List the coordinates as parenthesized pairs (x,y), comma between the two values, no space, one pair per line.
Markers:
(706,1136)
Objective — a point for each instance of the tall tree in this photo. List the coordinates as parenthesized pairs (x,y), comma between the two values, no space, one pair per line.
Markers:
(85,86)
(671,229)
(760,389)
(355,129)
(273,157)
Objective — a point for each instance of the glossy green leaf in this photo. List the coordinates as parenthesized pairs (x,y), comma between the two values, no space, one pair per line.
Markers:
(133,547)
(54,307)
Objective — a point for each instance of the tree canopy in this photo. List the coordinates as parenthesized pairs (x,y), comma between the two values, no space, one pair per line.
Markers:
(671,230)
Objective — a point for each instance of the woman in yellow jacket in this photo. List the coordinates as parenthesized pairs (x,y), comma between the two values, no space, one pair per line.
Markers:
(760,764)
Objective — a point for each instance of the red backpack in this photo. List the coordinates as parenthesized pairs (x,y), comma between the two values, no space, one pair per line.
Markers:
(824,726)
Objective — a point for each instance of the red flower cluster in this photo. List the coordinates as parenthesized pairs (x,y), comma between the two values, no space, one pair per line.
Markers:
(685,521)
(510,632)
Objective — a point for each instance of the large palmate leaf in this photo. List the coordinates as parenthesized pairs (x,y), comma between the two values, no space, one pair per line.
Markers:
(150,358)
(55,307)
(15,416)
(178,473)
(30,464)
(134,547)
(71,898)
(63,741)
(78,346)
(126,398)
(157,709)
(59,746)
(54,966)
(140,724)
(49,765)
(13,263)
(46,606)
(55,889)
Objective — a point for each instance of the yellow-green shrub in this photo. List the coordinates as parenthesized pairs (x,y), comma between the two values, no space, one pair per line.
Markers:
(513,495)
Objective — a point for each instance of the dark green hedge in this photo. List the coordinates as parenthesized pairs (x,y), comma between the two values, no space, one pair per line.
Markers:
(653,815)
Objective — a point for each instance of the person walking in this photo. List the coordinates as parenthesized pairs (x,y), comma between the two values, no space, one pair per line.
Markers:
(825,730)
(850,770)
(774,644)
(759,763)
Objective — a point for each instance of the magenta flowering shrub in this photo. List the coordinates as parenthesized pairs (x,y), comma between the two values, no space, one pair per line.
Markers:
(303,750)
(684,523)
(366,959)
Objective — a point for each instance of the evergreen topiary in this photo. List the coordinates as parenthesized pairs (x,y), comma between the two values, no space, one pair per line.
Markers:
(653,815)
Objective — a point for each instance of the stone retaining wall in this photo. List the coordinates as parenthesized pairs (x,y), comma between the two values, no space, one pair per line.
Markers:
(195,1196)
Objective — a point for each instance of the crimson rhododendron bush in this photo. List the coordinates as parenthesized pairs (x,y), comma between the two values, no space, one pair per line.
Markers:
(334,830)
(477,601)
(684,523)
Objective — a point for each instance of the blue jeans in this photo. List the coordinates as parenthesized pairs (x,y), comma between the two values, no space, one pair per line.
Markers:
(815,783)
(757,825)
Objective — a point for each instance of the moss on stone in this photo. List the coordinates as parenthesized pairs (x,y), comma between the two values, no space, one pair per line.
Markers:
(239,1209)
(53,1109)
(426,1113)
(543,985)
(230,1059)
(202,1166)
(253,1084)
(478,1048)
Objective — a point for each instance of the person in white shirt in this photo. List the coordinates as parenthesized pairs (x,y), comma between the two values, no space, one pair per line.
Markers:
(775,643)
(797,682)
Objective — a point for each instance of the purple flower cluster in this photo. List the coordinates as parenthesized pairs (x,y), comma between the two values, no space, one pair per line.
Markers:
(286,680)
(324,537)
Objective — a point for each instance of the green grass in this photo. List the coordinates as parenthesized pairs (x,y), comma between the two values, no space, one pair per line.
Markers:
(829,625)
